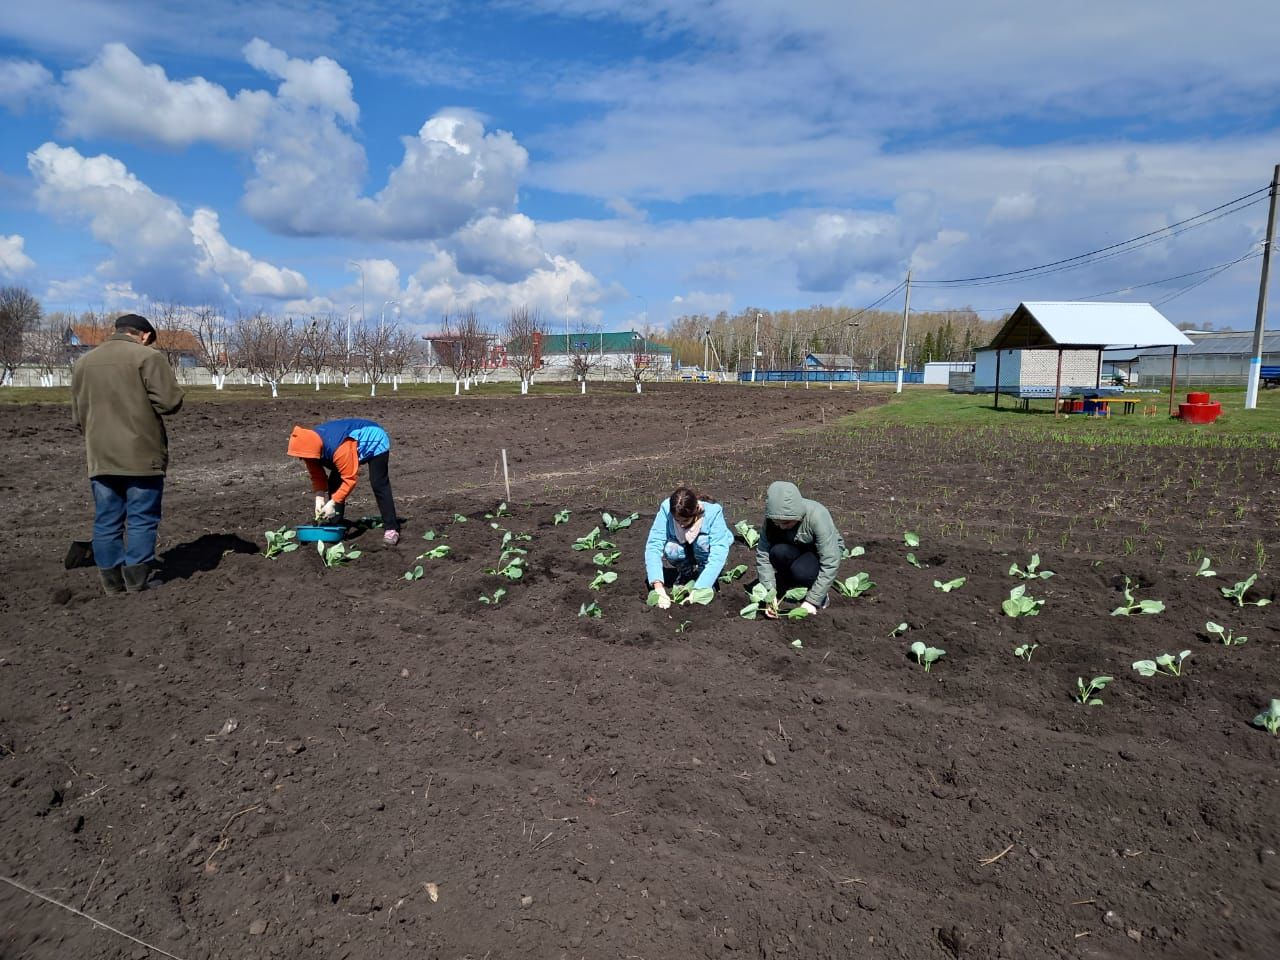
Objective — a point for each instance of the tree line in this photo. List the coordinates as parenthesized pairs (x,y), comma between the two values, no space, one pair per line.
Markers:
(866,339)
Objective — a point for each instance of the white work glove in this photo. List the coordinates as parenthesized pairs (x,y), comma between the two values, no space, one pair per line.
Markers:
(664,601)
(810,607)
(320,499)
(328,510)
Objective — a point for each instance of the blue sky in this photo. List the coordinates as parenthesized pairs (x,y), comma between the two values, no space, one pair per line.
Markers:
(613,163)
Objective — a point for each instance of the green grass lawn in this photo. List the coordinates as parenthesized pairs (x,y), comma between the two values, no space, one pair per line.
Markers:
(938,408)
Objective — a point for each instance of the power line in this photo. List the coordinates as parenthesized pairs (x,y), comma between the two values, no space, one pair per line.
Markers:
(1161,234)
(1182,276)
(1190,287)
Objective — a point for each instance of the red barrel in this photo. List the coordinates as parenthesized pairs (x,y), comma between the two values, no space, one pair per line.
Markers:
(1197,398)
(1199,412)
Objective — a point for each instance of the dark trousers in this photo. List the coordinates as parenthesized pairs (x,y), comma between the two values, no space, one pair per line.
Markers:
(126,515)
(380,480)
(795,565)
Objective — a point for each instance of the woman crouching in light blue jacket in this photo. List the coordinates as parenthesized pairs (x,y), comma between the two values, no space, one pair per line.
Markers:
(689,539)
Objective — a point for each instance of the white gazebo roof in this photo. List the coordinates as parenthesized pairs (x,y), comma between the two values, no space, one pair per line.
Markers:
(1049,324)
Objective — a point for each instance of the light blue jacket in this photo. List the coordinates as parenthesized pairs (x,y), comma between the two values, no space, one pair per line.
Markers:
(710,547)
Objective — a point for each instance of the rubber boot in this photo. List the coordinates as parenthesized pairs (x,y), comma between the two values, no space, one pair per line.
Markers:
(137,577)
(112,580)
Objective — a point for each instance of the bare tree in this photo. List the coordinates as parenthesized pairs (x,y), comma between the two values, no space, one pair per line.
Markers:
(465,346)
(342,353)
(524,332)
(315,342)
(584,354)
(47,347)
(19,312)
(173,332)
(213,343)
(642,363)
(268,347)
(403,353)
(371,345)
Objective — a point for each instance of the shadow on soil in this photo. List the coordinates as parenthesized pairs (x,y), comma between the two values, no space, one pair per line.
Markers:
(203,554)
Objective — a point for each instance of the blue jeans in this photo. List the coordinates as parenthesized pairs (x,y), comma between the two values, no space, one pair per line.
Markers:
(125,508)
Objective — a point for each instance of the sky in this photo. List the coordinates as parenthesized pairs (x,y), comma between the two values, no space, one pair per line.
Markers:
(618,164)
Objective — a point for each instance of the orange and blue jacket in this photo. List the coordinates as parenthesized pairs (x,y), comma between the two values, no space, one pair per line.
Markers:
(339,445)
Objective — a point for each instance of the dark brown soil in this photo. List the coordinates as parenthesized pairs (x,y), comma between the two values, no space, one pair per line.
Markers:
(264,758)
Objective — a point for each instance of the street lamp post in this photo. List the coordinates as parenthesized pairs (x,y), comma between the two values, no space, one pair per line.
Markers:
(350,310)
(383,313)
(755,351)
(360,267)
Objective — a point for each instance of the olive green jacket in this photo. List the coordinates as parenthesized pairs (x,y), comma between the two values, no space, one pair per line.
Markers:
(783,502)
(119,392)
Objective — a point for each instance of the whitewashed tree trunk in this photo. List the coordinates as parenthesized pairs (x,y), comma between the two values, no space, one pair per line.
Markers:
(373,389)
(274,391)
(457,388)
(583,384)
(638,386)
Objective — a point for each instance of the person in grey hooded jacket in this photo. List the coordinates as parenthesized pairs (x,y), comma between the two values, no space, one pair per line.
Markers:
(799,545)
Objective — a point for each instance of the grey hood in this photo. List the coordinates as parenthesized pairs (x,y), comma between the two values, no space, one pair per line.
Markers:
(782,501)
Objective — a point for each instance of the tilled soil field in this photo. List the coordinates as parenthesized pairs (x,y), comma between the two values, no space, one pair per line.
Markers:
(267,758)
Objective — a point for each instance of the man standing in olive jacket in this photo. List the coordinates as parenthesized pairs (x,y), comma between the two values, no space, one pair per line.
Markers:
(119,392)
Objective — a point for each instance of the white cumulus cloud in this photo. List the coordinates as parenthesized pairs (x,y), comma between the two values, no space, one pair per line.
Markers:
(506,248)
(13,260)
(118,95)
(155,247)
(21,82)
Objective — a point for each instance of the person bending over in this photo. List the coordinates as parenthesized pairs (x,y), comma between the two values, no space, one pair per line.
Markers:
(333,453)
(689,540)
(799,545)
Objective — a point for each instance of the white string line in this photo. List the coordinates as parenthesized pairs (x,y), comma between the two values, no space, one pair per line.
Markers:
(105,926)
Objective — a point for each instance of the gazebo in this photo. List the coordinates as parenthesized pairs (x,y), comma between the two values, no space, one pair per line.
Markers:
(1086,325)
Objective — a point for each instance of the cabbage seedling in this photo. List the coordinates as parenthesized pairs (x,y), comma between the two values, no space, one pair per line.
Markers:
(949,585)
(1204,570)
(496,598)
(459,518)
(899,630)
(280,541)
(797,643)
(606,559)
(1269,719)
(749,534)
(436,553)
(763,598)
(501,511)
(734,573)
(1238,591)
(911,559)
(850,553)
(797,613)
(1141,606)
(699,595)
(855,586)
(431,535)
(684,625)
(911,538)
(591,610)
(1025,651)
(336,555)
(1166,663)
(1032,572)
(614,524)
(592,541)
(562,516)
(1086,695)
(926,656)
(1226,637)
(1021,605)
(603,578)
(510,565)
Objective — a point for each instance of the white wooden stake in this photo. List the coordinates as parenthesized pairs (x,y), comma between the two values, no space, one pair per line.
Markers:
(506,478)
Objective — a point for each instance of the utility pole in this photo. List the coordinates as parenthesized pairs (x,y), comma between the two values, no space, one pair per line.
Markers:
(706,343)
(902,349)
(1259,325)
